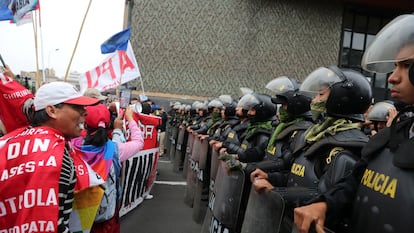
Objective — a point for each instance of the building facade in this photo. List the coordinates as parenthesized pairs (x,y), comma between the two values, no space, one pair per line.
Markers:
(209,48)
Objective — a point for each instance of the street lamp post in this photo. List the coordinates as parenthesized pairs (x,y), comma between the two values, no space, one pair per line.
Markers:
(48,60)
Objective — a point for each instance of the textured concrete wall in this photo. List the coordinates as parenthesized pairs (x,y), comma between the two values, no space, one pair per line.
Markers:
(214,47)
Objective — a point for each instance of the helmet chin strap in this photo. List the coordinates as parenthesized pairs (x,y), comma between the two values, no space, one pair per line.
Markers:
(411,73)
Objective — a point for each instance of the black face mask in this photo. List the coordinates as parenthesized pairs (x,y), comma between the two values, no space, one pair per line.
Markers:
(252,118)
(242,115)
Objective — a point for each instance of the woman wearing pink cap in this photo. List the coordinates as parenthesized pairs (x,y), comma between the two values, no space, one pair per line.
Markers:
(105,156)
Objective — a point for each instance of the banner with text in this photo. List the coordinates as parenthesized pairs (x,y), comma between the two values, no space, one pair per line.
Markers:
(118,68)
(138,172)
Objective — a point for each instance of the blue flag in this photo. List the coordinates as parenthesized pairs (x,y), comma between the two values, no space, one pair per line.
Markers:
(5,12)
(118,41)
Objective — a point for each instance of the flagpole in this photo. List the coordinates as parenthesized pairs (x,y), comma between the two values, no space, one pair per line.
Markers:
(142,86)
(34,23)
(43,55)
(77,41)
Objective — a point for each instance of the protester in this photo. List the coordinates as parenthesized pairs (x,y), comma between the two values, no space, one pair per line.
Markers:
(42,192)
(162,128)
(15,100)
(2,129)
(146,108)
(377,195)
(134,100)
(95,93)
(106,155)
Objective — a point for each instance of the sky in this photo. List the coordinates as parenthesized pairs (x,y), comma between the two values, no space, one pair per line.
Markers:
(61,22)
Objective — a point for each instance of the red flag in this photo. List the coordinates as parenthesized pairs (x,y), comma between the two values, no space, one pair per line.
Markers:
(12,97)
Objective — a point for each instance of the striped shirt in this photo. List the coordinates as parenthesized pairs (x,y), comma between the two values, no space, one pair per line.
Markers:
(67,183)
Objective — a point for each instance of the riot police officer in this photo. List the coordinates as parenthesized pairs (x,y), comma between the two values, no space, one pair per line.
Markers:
(294,118)
(261,114)
(330,147)
(236,134)
(381,115)
(199,121)
(379,190)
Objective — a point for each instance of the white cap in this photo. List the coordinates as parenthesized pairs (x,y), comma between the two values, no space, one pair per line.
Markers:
(94,93)
(60,92)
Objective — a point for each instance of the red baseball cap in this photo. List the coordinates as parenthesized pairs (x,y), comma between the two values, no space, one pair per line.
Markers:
(98,116)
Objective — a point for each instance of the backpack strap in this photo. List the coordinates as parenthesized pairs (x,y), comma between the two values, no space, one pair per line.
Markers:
(113,147)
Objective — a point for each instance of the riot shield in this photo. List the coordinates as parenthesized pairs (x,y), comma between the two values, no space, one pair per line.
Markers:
(179,150)
(167,142)
(174,134)
(214,166)
(264,212)
(192,173)
(189,148)
(226,200)
(202,184)
(213,171)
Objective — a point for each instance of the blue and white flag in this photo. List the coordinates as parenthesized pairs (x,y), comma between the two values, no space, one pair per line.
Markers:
(5,12)
(20,8)
(118,41)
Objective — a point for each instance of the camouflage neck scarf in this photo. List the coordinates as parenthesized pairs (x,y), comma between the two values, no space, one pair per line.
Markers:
(266,125)
(317,109)
(280,127)
(330,126)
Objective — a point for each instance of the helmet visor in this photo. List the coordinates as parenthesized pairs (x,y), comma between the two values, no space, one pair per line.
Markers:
(248,101)
(215,103)
(226,99)
(281,85)
(394,43)
(318,80)
(379,111)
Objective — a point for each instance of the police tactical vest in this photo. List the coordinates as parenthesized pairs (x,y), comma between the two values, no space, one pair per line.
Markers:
(286,141)
(327,160)
(384,201)
(227,128)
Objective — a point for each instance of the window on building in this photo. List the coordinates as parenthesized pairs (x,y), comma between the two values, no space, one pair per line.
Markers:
(359,28)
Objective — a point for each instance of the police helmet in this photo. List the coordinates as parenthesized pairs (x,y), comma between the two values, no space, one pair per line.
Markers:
(287,92)
(245,91)
(201,106)
(187,108)
(262,103)
(229,105)
(394,43)
(215,103)
(350,92)
(380,110)
(194,104)
(176,105)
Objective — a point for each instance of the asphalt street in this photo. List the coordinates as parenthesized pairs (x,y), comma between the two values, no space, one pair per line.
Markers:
(166,212)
